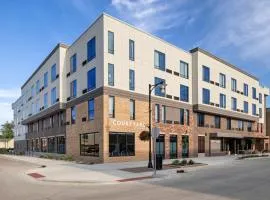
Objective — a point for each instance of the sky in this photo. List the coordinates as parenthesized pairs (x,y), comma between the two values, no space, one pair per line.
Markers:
(237,31)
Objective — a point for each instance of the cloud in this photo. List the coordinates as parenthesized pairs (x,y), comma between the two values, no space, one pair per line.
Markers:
(9,93)
(154,15)
(242,25)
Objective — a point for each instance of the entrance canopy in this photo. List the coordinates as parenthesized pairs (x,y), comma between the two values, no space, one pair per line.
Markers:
(236,135)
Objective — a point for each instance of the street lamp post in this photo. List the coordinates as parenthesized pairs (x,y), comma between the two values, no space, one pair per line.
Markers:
(150,89)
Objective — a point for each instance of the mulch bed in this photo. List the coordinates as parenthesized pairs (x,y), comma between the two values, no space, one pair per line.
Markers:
(165,167)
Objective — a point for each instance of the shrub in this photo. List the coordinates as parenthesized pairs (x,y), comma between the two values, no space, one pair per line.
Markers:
(66,158)
(3,151)
(191,162)
(184,162)
(175,162)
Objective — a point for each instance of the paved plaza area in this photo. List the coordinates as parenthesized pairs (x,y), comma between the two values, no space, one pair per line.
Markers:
(222,178)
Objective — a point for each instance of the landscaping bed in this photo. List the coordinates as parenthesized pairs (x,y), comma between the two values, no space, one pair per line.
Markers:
(252,156)
(174,165)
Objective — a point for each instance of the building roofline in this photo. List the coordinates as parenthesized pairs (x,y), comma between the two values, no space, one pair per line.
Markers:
(44,61)
(222,61)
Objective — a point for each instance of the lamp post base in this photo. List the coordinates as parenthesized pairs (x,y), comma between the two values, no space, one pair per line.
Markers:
(150,165)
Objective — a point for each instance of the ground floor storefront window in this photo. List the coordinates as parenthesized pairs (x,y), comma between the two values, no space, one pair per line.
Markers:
(121,144)
(44,144)
(173,146)
(160,146)
(51,145)
(185,146)
(89,144)
(61,144)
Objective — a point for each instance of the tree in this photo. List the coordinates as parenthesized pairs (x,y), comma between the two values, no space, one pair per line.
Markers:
(7,130)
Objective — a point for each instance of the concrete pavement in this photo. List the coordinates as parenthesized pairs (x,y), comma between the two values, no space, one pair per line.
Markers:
(63,171)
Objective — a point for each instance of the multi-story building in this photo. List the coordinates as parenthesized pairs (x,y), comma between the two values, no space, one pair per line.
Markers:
(98,92)
(268,126)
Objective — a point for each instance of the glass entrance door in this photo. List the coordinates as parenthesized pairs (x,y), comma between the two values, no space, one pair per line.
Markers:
(185,146)
(173,146)
(160,146)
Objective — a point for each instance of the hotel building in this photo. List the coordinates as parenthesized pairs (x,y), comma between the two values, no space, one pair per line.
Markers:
(90,99)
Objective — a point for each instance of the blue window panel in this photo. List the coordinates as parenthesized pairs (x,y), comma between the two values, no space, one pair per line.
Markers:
(184,93)
(110,74)
(91,49)
(254,109)
(53,96)
(37,86)
(260,97)
(45,79)
(234,104)
(245,89)
(159,60)
(234,84)
(131,79)
(245,107)
(206,74)
(53,72)
(91,109)
(73,63)
(222,100)
(206,96)
(158,89)
(45,98)
(91,79)
(73,115)
(254,93)
(222,80)
(184,72)
(131,50)
(73,89)
(110,42)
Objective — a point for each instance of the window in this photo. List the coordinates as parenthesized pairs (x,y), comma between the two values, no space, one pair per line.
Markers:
(131,79)
(45,80)
(217,121)
(51,144)
(260,97)
(53,73)
(234,85)
(159,89)
(245,89)
(184,93)
(110,74)
(73,89)
(121,144)
(234,104)
(222,100)
(163,114)
(73,115)
(132,109)
(206,74)
(32,91)
(187,116)
(37,86)
(206,96)
(91,49)
(260,112)
(200,120)
(184,69)
(45,99)
(91,79)
(91,109)
(53,96)
(254,93)
(240,125)
(89,144)
(254,109)
(110,42)
(222,80)
(111,107)
(131,50)
(157,113)
(229,123)
(37,106)
(61,143)
(159,60)
(160,146)
(249,126)
(245,107)
(182,116)
(73,63)
(173,146)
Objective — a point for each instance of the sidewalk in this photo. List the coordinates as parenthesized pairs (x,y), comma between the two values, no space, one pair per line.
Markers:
(63,171)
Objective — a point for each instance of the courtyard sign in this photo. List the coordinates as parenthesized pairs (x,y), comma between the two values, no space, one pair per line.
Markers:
(128,123)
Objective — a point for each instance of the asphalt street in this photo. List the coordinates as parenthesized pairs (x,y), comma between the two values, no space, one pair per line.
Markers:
(248,179)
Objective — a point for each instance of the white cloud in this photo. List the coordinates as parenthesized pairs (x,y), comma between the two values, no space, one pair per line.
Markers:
(9,93)
(242,25)
(153,15)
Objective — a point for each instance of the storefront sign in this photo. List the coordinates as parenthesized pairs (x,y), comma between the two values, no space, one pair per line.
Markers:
(128,123)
